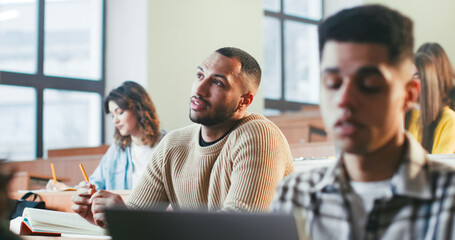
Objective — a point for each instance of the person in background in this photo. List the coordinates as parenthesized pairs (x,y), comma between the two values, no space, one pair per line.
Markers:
(444,70)
(5,177)
(383,185)
(433,125)
(229,160)
(137,132)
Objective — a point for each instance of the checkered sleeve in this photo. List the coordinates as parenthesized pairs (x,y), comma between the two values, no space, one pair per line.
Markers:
(294,190)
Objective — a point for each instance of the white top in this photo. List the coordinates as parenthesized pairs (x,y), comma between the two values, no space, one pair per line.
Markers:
(141,155)
(366,193)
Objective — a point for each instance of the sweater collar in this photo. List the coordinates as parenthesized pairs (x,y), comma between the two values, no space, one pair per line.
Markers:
(218,144)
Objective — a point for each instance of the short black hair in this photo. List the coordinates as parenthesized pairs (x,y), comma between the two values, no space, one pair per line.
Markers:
(370,24)
(249,65)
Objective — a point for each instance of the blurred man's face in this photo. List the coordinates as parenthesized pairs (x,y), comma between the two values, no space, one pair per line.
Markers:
(363,96)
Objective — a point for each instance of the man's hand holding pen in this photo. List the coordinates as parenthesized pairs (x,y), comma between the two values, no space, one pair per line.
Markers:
(90,203)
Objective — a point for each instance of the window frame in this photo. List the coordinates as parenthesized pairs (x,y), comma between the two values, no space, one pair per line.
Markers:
(282,104)
(39,81)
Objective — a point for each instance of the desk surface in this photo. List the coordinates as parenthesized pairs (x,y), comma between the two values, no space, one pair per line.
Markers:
(24,237)
(61,201)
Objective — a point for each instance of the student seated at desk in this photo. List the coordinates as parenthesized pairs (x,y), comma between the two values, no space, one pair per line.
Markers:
(433,125)
(229,160)
(137,132)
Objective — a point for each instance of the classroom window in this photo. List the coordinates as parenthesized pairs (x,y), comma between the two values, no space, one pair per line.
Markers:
(71,119)
(272,58)
(291,58)
(309,9)
(72,48)
(17,128)
(55,50)
(302,62)
(18,35)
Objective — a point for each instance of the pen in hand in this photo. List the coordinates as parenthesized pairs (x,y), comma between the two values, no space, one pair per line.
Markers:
(92,190)
(53,173)
(83,172)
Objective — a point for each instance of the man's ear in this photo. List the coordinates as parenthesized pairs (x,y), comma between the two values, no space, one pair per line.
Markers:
(412,92)
(245,101)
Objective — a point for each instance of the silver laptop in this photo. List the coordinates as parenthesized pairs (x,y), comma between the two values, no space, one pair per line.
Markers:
(156,224)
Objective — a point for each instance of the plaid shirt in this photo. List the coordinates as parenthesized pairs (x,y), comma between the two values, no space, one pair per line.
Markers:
(421,205)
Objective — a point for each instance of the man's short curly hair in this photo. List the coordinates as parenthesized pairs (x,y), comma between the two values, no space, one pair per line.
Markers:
(250,67)
(370,24)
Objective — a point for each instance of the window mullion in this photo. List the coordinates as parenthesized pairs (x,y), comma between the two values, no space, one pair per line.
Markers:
(40,55)
(39,122)
(283,60)
(39,78)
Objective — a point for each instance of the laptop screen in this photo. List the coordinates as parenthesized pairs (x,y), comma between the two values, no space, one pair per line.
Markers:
(156,224)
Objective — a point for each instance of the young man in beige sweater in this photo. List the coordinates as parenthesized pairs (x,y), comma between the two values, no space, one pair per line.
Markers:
(229,160)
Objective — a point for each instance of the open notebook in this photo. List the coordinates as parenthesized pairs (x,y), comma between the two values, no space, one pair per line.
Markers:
(136,224)
(46,222)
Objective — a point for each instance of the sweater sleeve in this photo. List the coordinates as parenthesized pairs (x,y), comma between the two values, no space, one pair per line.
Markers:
(262,159)
(150,191)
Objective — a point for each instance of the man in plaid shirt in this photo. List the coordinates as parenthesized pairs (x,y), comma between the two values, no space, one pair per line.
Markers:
(383,186)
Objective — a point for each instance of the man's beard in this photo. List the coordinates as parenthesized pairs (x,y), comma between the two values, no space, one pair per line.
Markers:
(222,114)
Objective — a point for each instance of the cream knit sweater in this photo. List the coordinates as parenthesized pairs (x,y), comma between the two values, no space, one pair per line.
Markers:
(238,173)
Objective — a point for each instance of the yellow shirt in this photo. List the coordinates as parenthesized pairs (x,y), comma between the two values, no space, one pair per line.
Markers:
(444,134)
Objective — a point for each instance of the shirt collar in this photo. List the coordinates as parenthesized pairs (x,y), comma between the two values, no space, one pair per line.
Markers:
(412,178)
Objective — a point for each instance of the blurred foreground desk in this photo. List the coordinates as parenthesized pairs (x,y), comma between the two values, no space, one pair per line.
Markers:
(61,201)
(24,237)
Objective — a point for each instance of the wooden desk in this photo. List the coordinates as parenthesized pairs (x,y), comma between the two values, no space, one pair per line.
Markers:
(25,180)
(100,150)
(64,166)
(301,127)
(313,149)
(61,201)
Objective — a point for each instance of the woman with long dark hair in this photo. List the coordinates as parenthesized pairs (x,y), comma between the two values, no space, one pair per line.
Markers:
(433,125)
(444,71)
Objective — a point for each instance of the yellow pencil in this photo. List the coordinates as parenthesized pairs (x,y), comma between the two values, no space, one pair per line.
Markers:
(83,172)
(53,173)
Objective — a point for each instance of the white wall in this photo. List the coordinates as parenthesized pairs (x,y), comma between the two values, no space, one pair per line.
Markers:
(432,20)
(160,43)
(181,34)
(126,46)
